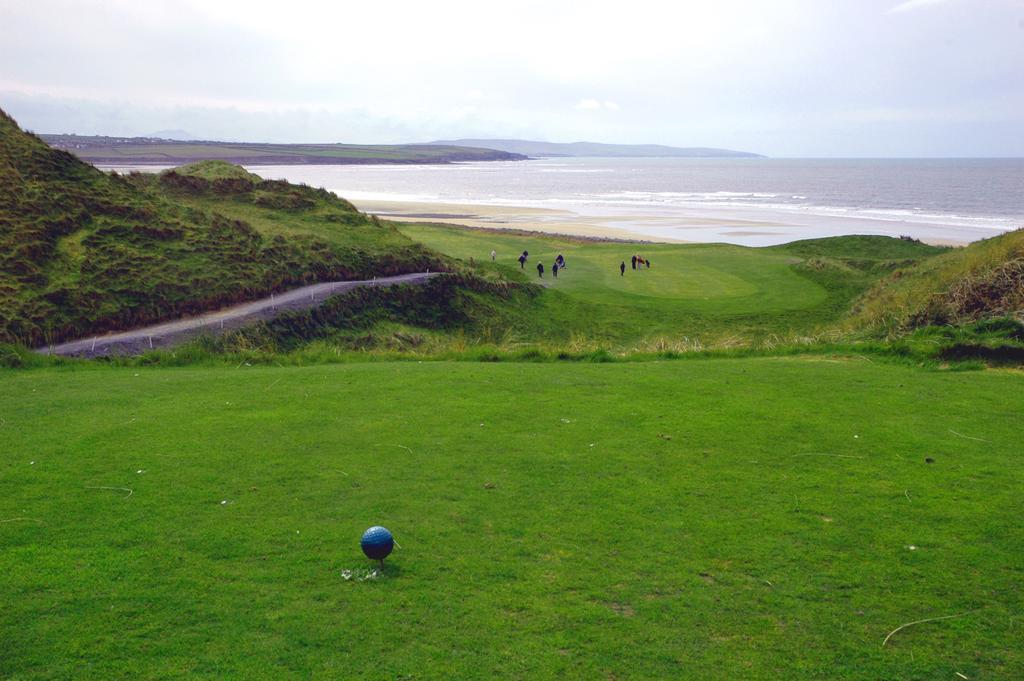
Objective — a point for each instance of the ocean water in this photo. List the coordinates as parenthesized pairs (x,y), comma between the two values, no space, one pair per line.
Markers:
(747,201)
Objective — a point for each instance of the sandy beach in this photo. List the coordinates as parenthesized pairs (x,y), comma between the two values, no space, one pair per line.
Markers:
(757,228)
(546,220)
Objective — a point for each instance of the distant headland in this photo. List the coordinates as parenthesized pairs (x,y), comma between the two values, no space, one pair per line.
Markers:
(171,149)
(162,151)
(597,149)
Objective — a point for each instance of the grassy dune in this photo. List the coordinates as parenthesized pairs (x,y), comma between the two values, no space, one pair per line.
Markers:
(84,252)
(964,285)
(755,519)
(213,171)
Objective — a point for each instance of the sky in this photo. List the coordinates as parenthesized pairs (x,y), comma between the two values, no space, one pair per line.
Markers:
(796,78)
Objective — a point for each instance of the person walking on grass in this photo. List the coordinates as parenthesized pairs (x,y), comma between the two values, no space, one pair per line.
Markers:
(494,254)
(633,261)
(648,261)
(522,260)
(540,270)
(622,268)
(554,270)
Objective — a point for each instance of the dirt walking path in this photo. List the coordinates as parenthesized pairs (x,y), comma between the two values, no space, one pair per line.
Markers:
(166,334)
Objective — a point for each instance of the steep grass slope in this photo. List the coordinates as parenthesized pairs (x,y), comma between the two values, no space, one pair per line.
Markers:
(980,281)
(85,252)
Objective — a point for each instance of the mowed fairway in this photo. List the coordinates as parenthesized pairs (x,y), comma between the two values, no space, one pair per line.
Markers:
(698,519)
(706,279)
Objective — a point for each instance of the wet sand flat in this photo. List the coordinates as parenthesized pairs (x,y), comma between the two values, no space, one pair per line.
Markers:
(615,225)
(650,223)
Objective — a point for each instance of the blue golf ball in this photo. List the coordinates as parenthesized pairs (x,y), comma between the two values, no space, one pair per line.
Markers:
(377,543)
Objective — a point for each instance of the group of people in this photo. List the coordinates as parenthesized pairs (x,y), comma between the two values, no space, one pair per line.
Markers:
(559,264)
(637,262)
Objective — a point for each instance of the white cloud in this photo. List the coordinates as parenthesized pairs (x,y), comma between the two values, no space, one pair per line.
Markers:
(785,77)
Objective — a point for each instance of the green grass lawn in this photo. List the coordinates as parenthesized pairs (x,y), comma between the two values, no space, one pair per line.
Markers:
(710,278)
(704,519)
(712,293)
